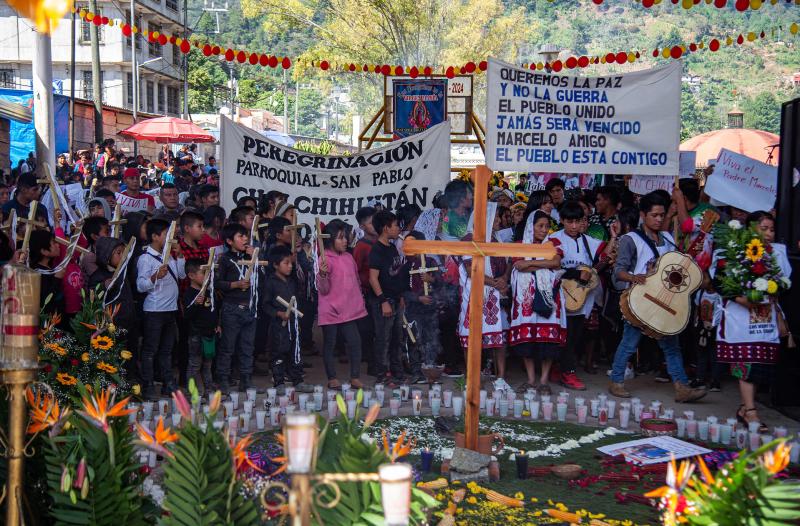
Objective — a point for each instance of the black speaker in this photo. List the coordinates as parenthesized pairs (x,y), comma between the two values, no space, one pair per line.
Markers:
(787,207)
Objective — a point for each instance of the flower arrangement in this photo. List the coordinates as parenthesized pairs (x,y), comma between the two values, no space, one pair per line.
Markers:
(745,491)
(746,265)
(94,354)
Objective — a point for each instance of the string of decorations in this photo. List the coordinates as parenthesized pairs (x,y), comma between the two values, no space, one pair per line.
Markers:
(472,67)
(740,5)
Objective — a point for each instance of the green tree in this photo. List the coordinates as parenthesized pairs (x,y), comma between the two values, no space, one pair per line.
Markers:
(762,112)
(696,118)
(206,78)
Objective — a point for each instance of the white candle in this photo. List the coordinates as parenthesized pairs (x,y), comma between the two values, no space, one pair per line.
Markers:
(741,439)
(691,428)
(251,394)
(404,390)
(227,407)
(712,419)
(714,432)
(561,411)
(535,409)
(766,439)
(349,395)
(331,395)
(380,397)
(594,405)
(624,417)
(235,399)
(318,401)
(602,398)
(300,431)
(163,406)
(483,399)
(147,408)
(753,426)
(367,398)
(176,419)
(333,410)
(274,417)
(261,417)
(637,412)
(394,406)
(794,454)
(689,415)
(416,406)
(490,407)
(612,407)
(436,405)
(302,401)
(458,405)
(272,393)
(395,493)
(518,407)
(351,409)
(755,441)
(725,434)
(233,423)
(346,387)
(681,423)
(547,410)
(702,429)
(247,406)
(502,407)
(668,414)
(780,432)
(545,398)
(151,459)
(447,398)
(244,422)
(291,393)
(283,401)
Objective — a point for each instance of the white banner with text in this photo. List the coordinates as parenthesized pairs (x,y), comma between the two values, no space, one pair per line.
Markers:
(743,182)
(407,171)
(617,124)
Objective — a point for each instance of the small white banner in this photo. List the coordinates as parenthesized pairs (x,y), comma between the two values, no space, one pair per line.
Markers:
(743,182)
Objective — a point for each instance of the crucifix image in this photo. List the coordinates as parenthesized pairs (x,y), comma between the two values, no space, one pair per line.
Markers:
(422,271)
(117,221)
(477,249)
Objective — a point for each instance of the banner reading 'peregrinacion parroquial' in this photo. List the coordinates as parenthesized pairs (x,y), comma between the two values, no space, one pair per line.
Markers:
(408,171)
(617,124)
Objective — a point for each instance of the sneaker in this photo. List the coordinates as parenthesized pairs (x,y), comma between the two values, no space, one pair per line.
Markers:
(697,382)
(454,372)
(663,378)
(571,381)
(715,387)
(418,379)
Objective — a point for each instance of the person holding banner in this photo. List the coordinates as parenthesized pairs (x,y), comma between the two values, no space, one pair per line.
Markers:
(132,180)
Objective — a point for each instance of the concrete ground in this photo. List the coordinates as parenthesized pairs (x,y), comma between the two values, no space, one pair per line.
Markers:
(722,404)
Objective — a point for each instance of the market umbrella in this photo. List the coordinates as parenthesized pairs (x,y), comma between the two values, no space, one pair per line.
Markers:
(167,130)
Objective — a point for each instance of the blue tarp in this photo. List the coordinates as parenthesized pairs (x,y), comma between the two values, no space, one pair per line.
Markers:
(23,136)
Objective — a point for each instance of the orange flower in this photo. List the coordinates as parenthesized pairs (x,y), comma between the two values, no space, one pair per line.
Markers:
(98,409)
(44,410)
(56,348)
(103,343)
(399,448)
(281,461)
(158,440)
(66,379)
(241,459)
(776,461)
(672,499)
(103,366)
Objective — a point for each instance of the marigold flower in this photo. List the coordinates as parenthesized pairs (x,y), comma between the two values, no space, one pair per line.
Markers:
(85,357)
(126,355)
(103,343)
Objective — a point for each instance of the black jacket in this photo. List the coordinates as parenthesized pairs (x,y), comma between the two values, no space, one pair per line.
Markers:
(230,270)
(273,288)
(200,320)
(122,289)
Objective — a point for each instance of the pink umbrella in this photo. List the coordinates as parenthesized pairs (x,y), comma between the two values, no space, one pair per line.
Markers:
(167,130)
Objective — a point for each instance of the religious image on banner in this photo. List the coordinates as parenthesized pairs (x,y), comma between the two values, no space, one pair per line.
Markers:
(418,105)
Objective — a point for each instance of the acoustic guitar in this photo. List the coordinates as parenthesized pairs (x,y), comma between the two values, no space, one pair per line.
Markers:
(576,291)
(710,217)
(661,305)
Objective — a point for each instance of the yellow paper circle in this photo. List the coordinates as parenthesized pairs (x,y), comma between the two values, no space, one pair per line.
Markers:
(687,4)
(728,41)
(793,28)
(665,52)
(631,57)
(178,41)
(701,45)
(751,36)
(755,4)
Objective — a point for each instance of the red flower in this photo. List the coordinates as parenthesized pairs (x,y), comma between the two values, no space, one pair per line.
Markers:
(74,362)
(768,248)
(721,264)
(703,260)
(47,368)
(758,268)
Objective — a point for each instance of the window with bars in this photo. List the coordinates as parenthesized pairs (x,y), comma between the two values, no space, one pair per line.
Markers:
(161,101)
(85,35)
(172,4)
(154,48)
(176,55)
(7,79)
(172,100)
(130,88)
(150,103)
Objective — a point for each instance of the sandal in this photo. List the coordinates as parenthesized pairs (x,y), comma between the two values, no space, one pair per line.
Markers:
(544,389)
(334,384)
(355,383)
(740,415)
(762,428)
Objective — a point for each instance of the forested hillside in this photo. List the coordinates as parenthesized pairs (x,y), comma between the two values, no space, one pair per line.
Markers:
(755,76)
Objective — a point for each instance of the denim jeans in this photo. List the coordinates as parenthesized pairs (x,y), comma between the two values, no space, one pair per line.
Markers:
(160,332)
(388,338)
(353,342)
(238,336)
(627,348)
(196,362)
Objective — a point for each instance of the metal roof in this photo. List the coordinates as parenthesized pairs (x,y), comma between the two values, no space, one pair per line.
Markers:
(16,112)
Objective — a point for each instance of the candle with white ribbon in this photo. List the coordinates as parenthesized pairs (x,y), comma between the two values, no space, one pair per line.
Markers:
(300,434)
(395,482)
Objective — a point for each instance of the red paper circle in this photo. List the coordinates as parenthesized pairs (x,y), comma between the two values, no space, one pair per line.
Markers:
(740,40)
(676,52)
(470,67)
(692,47)
(286,63)
(324,65)
(413,72)
(273,61)
(622,57)
(571,63)
(126,30)
(162,39)
(172,39)
(557,66)
(263,60)
(427,71)
(713,45)
(656,53)
(207,50)
(450,72)
(97,20)
(742,5)
(648,3)
(611,58)
(483,65)
(241,56)
(185,46)
(598,2)
(104,20)
(386,69)
(583,61)
(216,50)
(253,59)
(229,55)
(719,4)
(398,70)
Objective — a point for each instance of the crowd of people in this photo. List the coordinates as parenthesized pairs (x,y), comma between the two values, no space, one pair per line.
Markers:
(272,285)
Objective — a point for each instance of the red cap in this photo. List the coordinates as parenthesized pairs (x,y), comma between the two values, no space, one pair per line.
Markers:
(130,172)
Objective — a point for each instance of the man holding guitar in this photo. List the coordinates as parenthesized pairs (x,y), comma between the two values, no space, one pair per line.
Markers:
(637,250)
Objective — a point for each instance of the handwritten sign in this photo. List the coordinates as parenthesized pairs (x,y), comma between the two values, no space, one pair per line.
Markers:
(620,124)
(743,182)
(644,184)
(130,204)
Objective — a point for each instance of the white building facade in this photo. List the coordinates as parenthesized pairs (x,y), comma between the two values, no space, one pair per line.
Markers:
(160,67)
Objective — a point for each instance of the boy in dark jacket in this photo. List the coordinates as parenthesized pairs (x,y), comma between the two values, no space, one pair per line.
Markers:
(109,252)
(283,323)
(201,323)
(238,312)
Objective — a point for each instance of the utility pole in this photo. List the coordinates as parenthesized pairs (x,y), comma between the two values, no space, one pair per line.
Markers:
(185,114)
(43,103)
(296,102)
(97,88)
(285,102)
(134,76)
(72,85)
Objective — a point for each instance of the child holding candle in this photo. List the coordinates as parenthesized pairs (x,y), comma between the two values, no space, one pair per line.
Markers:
(538,315)
(340,303)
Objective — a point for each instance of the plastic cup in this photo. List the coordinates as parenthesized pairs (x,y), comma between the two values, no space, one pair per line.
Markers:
(394,406)
(519,405)
(561,411)
(458,405)
(502,407)
(624,417)
(535,404)
(547,410)
(261,417)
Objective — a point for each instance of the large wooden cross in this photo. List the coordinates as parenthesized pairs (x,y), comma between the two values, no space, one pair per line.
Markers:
(117,221)
(476,249)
